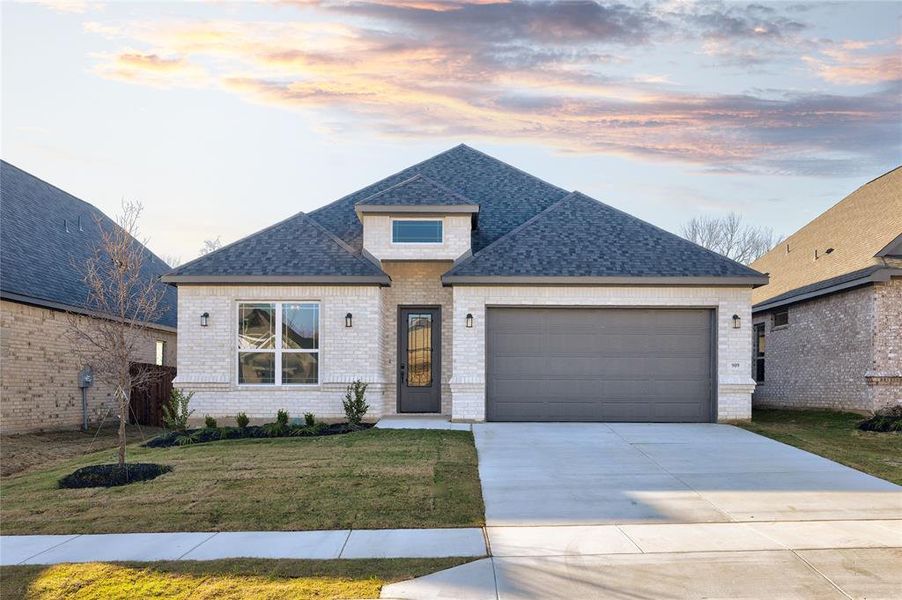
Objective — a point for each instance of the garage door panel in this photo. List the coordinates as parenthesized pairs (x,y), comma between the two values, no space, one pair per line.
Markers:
(599,364)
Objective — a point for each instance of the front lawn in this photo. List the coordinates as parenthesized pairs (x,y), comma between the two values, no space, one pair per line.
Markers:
(833,435)
(373,479)
(227,579)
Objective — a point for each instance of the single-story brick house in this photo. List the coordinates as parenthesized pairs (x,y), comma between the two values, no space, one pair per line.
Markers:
(46,234)
(465,287)
(828,326)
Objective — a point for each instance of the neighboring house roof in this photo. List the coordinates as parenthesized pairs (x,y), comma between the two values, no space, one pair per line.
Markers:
(591,242)
(40,259)
(859,232)
(296,250)
(846,281)
(506,195)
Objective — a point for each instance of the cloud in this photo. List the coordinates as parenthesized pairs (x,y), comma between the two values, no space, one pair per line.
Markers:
(859,63)
(522,71)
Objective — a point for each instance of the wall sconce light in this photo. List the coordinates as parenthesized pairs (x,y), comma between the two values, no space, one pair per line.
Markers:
(737,322)
(204,318)
(349,320)
(469,320)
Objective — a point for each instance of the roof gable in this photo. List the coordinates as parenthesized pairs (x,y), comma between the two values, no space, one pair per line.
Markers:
(506,195)
(296,249)
(41,259)
(580,237)
(419,190)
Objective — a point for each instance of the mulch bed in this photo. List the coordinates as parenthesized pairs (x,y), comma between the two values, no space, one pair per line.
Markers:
(270,430)
(112,475)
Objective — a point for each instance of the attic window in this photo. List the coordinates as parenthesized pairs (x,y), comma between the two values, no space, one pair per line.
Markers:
(416,231)
(781,318)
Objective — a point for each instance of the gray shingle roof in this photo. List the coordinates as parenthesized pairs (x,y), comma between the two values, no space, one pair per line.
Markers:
(39,259)
(296,249)
(506,196)
(845,281)
(419,190)
(581,237)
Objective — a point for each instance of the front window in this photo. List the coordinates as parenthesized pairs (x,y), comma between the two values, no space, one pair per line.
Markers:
(758,354)
(278,343)
(416,232)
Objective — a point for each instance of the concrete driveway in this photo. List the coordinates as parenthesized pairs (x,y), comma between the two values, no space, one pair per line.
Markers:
(638,511)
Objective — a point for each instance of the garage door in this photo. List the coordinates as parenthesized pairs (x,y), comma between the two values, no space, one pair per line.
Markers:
(599,364)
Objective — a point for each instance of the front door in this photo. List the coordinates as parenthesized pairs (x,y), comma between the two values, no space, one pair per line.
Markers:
(419,360)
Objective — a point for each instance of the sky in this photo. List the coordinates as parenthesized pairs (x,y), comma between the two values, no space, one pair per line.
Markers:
(225,117)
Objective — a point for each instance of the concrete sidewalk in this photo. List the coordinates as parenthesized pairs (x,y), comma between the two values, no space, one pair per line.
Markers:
(358,543)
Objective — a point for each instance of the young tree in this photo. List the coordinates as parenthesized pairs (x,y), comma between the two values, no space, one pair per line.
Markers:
(123,300)
(728,235)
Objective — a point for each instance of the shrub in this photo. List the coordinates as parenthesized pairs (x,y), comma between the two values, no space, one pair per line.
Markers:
(355,403)
(309,419)
(888,418)
(176,413)
(282,417)
(242,420)
(209,422)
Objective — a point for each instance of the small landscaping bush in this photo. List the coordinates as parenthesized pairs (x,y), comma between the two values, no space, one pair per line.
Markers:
(112,475)
(355,403)
(209,421)
(886,419)
(176,413)
(242,420)
(309,419)
(269,430)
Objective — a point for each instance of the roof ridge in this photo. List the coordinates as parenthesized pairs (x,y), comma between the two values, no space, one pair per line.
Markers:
(395,174)
(427,179)
(230,244)
(508,165)
(517,229)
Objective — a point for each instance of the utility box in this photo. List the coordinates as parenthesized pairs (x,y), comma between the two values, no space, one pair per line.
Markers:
(86,378)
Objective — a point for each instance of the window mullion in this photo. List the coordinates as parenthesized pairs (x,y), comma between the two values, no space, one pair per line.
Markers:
(278,343)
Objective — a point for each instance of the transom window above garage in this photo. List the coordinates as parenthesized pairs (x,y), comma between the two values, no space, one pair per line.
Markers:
(278,343)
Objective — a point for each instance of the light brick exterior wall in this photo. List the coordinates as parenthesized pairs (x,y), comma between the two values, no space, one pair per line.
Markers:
(734,383)
(455,239)
(416,283)
(839,352)
(39,371)
(208,355)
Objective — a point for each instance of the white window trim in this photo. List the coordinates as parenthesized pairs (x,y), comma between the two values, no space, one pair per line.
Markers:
(277,349)
(391,231)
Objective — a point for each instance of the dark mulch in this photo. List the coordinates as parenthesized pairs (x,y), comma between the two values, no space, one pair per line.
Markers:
(112,475)
(885,420)
(270,430)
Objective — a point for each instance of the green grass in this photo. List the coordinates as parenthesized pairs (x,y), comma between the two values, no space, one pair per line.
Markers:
(221,579)
(370,479)
(833,435)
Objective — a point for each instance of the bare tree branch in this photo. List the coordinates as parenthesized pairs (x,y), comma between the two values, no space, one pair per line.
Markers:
(210,246)
(729,236)
(127,301)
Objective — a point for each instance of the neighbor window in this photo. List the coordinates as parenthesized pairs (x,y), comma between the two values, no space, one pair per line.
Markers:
(161,350)
(781,318)
(278,343)
(758,353)
(416,232)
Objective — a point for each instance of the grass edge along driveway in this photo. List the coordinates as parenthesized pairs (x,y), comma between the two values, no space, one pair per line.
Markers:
(221,579)
(372,479)
(833,435)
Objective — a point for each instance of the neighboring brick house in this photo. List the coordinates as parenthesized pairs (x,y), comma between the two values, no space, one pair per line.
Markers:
(828,326)
(46,233)
(465,287)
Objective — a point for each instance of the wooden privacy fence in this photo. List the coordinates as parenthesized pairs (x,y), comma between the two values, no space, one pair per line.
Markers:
(147,401)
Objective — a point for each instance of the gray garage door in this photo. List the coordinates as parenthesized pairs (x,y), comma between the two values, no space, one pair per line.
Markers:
(599,364)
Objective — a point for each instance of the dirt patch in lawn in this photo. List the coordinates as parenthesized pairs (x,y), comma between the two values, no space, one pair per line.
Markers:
(221,579)
(371,479)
